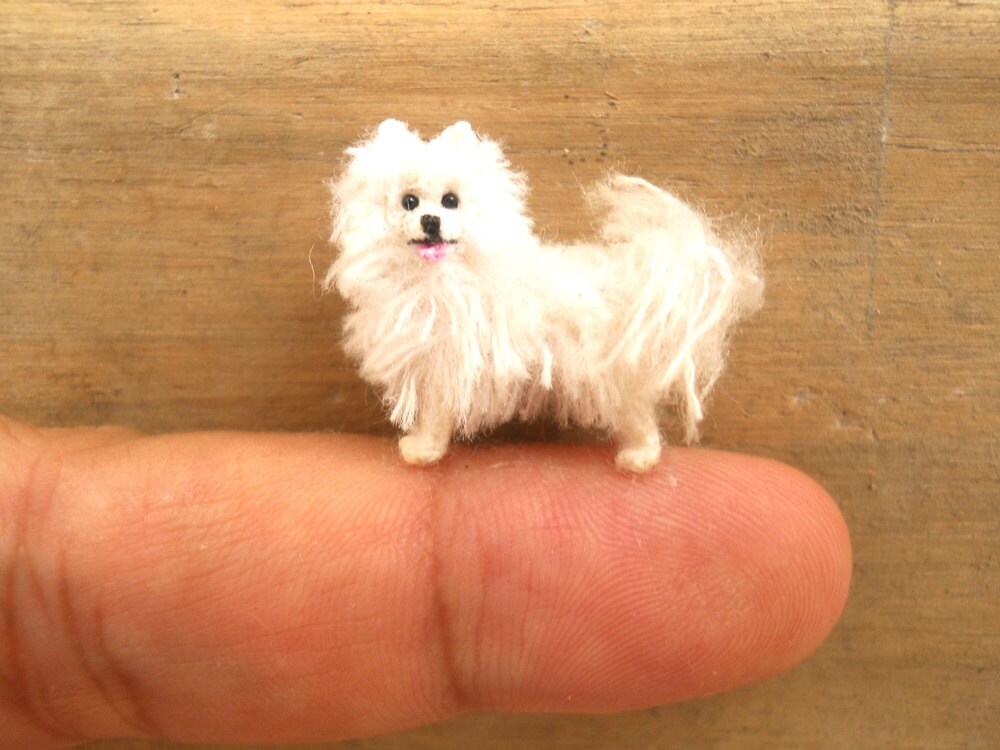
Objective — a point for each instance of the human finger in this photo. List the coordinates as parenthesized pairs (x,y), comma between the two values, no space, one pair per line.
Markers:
(288,588)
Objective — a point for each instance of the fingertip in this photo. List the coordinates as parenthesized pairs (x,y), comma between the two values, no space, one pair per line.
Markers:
(788,554)
(799,549)
(712,571)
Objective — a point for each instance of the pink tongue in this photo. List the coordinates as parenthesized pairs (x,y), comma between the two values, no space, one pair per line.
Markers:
(433,252)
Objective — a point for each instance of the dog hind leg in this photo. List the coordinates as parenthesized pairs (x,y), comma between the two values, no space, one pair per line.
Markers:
(639,444)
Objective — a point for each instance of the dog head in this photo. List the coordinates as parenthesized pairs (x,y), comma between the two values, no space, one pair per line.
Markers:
(421,203)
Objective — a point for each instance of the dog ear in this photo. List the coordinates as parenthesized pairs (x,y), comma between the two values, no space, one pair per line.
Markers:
(461,133)
(392,129)
(390,134)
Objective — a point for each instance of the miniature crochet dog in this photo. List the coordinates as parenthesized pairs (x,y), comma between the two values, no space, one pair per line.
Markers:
(463,318)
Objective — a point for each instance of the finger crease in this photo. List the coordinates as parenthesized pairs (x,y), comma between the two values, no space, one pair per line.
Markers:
(456,695)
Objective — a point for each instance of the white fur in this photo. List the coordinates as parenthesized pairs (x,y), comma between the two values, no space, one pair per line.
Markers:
(505,326)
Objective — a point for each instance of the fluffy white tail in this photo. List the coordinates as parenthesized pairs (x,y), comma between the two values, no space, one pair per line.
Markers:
(687,289)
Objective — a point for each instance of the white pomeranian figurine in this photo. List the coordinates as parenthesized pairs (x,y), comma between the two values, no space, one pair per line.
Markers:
(463,318)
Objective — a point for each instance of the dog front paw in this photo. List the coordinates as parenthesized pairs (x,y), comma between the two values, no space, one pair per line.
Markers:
(419,450)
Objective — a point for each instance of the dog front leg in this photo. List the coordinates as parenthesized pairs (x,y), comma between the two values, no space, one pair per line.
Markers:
(428,441)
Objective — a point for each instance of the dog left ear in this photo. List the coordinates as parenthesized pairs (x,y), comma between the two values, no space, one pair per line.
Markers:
(459,133)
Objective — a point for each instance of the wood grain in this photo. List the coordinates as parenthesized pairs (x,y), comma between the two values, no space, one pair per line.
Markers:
(161,184)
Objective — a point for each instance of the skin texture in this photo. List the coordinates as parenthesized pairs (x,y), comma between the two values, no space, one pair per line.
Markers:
(265,588)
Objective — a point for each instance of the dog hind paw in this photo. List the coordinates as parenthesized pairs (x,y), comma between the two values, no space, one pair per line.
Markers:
(638,459)
(421,451)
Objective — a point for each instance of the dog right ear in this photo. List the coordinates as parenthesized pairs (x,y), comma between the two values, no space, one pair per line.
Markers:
(395,133)
(392,129)
(391,134)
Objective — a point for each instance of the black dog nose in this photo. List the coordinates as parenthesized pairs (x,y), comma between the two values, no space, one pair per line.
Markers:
(431,224)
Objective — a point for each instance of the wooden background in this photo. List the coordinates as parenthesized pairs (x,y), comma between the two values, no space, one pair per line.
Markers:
(161,195)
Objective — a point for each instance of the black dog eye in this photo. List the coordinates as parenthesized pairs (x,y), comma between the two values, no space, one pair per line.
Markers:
(449,200)
(410,201)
